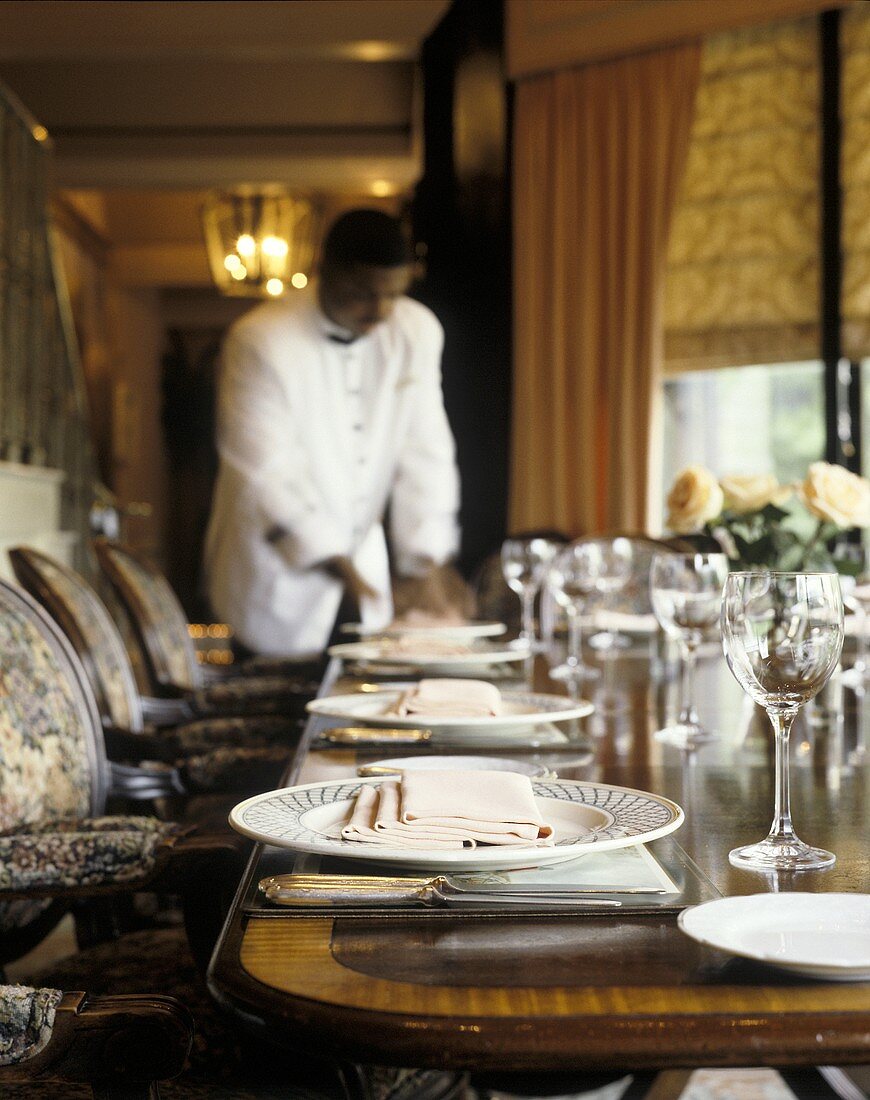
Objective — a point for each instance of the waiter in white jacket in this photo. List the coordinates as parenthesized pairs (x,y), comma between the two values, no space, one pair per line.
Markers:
(328,411)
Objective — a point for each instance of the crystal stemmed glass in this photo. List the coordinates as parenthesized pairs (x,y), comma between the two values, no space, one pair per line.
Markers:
(614,573)
(581,570)
(852,566)
(782,634)
(524,565)
(686,595)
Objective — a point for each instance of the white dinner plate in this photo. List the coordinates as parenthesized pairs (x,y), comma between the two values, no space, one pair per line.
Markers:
(519,709)
(375,653)
(585,817)
(452,631)
(818,935)
(460,763)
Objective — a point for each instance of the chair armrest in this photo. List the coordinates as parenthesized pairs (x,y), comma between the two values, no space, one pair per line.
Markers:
(123,1041)
(141,782)
(168,711)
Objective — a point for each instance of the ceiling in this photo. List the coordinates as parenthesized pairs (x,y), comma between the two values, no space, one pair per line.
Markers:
(151,104)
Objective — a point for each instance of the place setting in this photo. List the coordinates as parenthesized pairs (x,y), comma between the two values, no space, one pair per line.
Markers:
(467,835)
(448,710)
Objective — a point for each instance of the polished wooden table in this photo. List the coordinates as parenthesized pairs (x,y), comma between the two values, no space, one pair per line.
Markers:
(570,992)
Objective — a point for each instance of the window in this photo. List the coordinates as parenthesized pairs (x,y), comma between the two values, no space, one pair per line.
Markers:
(770,255)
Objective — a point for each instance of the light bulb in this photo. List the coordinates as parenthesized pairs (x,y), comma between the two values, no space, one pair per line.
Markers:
(274,287)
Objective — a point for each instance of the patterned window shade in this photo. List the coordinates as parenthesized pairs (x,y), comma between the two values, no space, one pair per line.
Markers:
(855,177)
(743,273)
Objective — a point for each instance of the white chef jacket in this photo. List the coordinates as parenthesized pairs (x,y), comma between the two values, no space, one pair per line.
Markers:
(315,437)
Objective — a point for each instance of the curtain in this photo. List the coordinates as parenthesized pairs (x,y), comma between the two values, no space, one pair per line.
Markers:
(855,179)
(743,262)
(599,153)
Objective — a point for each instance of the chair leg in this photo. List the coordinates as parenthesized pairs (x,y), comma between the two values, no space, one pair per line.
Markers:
(667,1084)
(820,1083)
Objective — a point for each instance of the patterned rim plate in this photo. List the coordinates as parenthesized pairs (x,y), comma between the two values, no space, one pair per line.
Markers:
(585,816)
(453,630)
(519,708)
(460,763)
(817,935)
(374,654)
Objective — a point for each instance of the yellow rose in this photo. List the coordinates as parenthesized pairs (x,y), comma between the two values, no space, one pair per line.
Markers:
(752,492)
(695,498)
(834,495)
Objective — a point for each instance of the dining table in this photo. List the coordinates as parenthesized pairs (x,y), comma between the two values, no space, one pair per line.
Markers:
(514,989)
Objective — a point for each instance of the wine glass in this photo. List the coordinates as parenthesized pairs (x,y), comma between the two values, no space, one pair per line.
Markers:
(524,564)
(686,595)
(852,567)
(614,573)
(782,634)
(586,567)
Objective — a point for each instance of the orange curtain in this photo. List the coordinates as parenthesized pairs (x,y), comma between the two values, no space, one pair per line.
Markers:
(599,154)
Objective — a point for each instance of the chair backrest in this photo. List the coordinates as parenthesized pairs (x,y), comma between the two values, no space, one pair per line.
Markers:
(52,756)
(158,619)
(80,613)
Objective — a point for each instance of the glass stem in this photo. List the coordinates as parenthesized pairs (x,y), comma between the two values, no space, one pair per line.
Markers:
(575,638)
(688,712)
(782,828)
(528,631)
(860,665)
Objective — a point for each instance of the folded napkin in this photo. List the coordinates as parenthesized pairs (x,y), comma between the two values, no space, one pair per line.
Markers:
(422,645)
(449,699)
(449,810)
(415,617)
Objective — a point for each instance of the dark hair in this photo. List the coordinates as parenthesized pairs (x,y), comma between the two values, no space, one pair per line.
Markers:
(368,237)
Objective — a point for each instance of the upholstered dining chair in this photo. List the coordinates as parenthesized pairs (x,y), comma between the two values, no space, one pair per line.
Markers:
(118,1045)
(209,754)
(58,847)
(260,685)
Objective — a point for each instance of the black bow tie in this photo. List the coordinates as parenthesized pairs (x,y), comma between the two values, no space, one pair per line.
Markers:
(340,339)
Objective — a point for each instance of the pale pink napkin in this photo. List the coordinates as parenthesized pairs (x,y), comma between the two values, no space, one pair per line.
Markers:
(423,645)
(449,809)
(450,699)
(415,617)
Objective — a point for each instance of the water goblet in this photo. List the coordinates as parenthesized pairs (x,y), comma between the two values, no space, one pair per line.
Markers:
(782,634)
(524,564)
(686,595)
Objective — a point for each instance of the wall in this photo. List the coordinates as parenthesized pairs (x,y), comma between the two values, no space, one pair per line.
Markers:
(120,334)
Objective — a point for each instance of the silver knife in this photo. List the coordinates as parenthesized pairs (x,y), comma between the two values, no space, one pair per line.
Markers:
(301,890)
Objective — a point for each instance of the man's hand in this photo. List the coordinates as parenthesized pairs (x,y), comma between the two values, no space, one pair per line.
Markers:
(343,569)
(441,593)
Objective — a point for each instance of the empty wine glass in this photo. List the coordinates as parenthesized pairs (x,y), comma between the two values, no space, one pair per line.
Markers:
(524,565)
(686,595)
(582,570)
(854,571)
(614,573)
(782,634)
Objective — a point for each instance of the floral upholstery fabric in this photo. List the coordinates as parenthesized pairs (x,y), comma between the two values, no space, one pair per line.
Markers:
(246,731)
(234,769)
(43,738)
(116,687)
(26,1021)
(89,852)
(172,653)
(254,695)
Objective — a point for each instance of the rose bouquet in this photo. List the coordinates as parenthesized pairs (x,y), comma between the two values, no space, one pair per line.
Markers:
(746,517)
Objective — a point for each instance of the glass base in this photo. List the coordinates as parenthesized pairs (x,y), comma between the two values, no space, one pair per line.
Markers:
(777,854)
(682,735)
(575,672)
(608,639)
